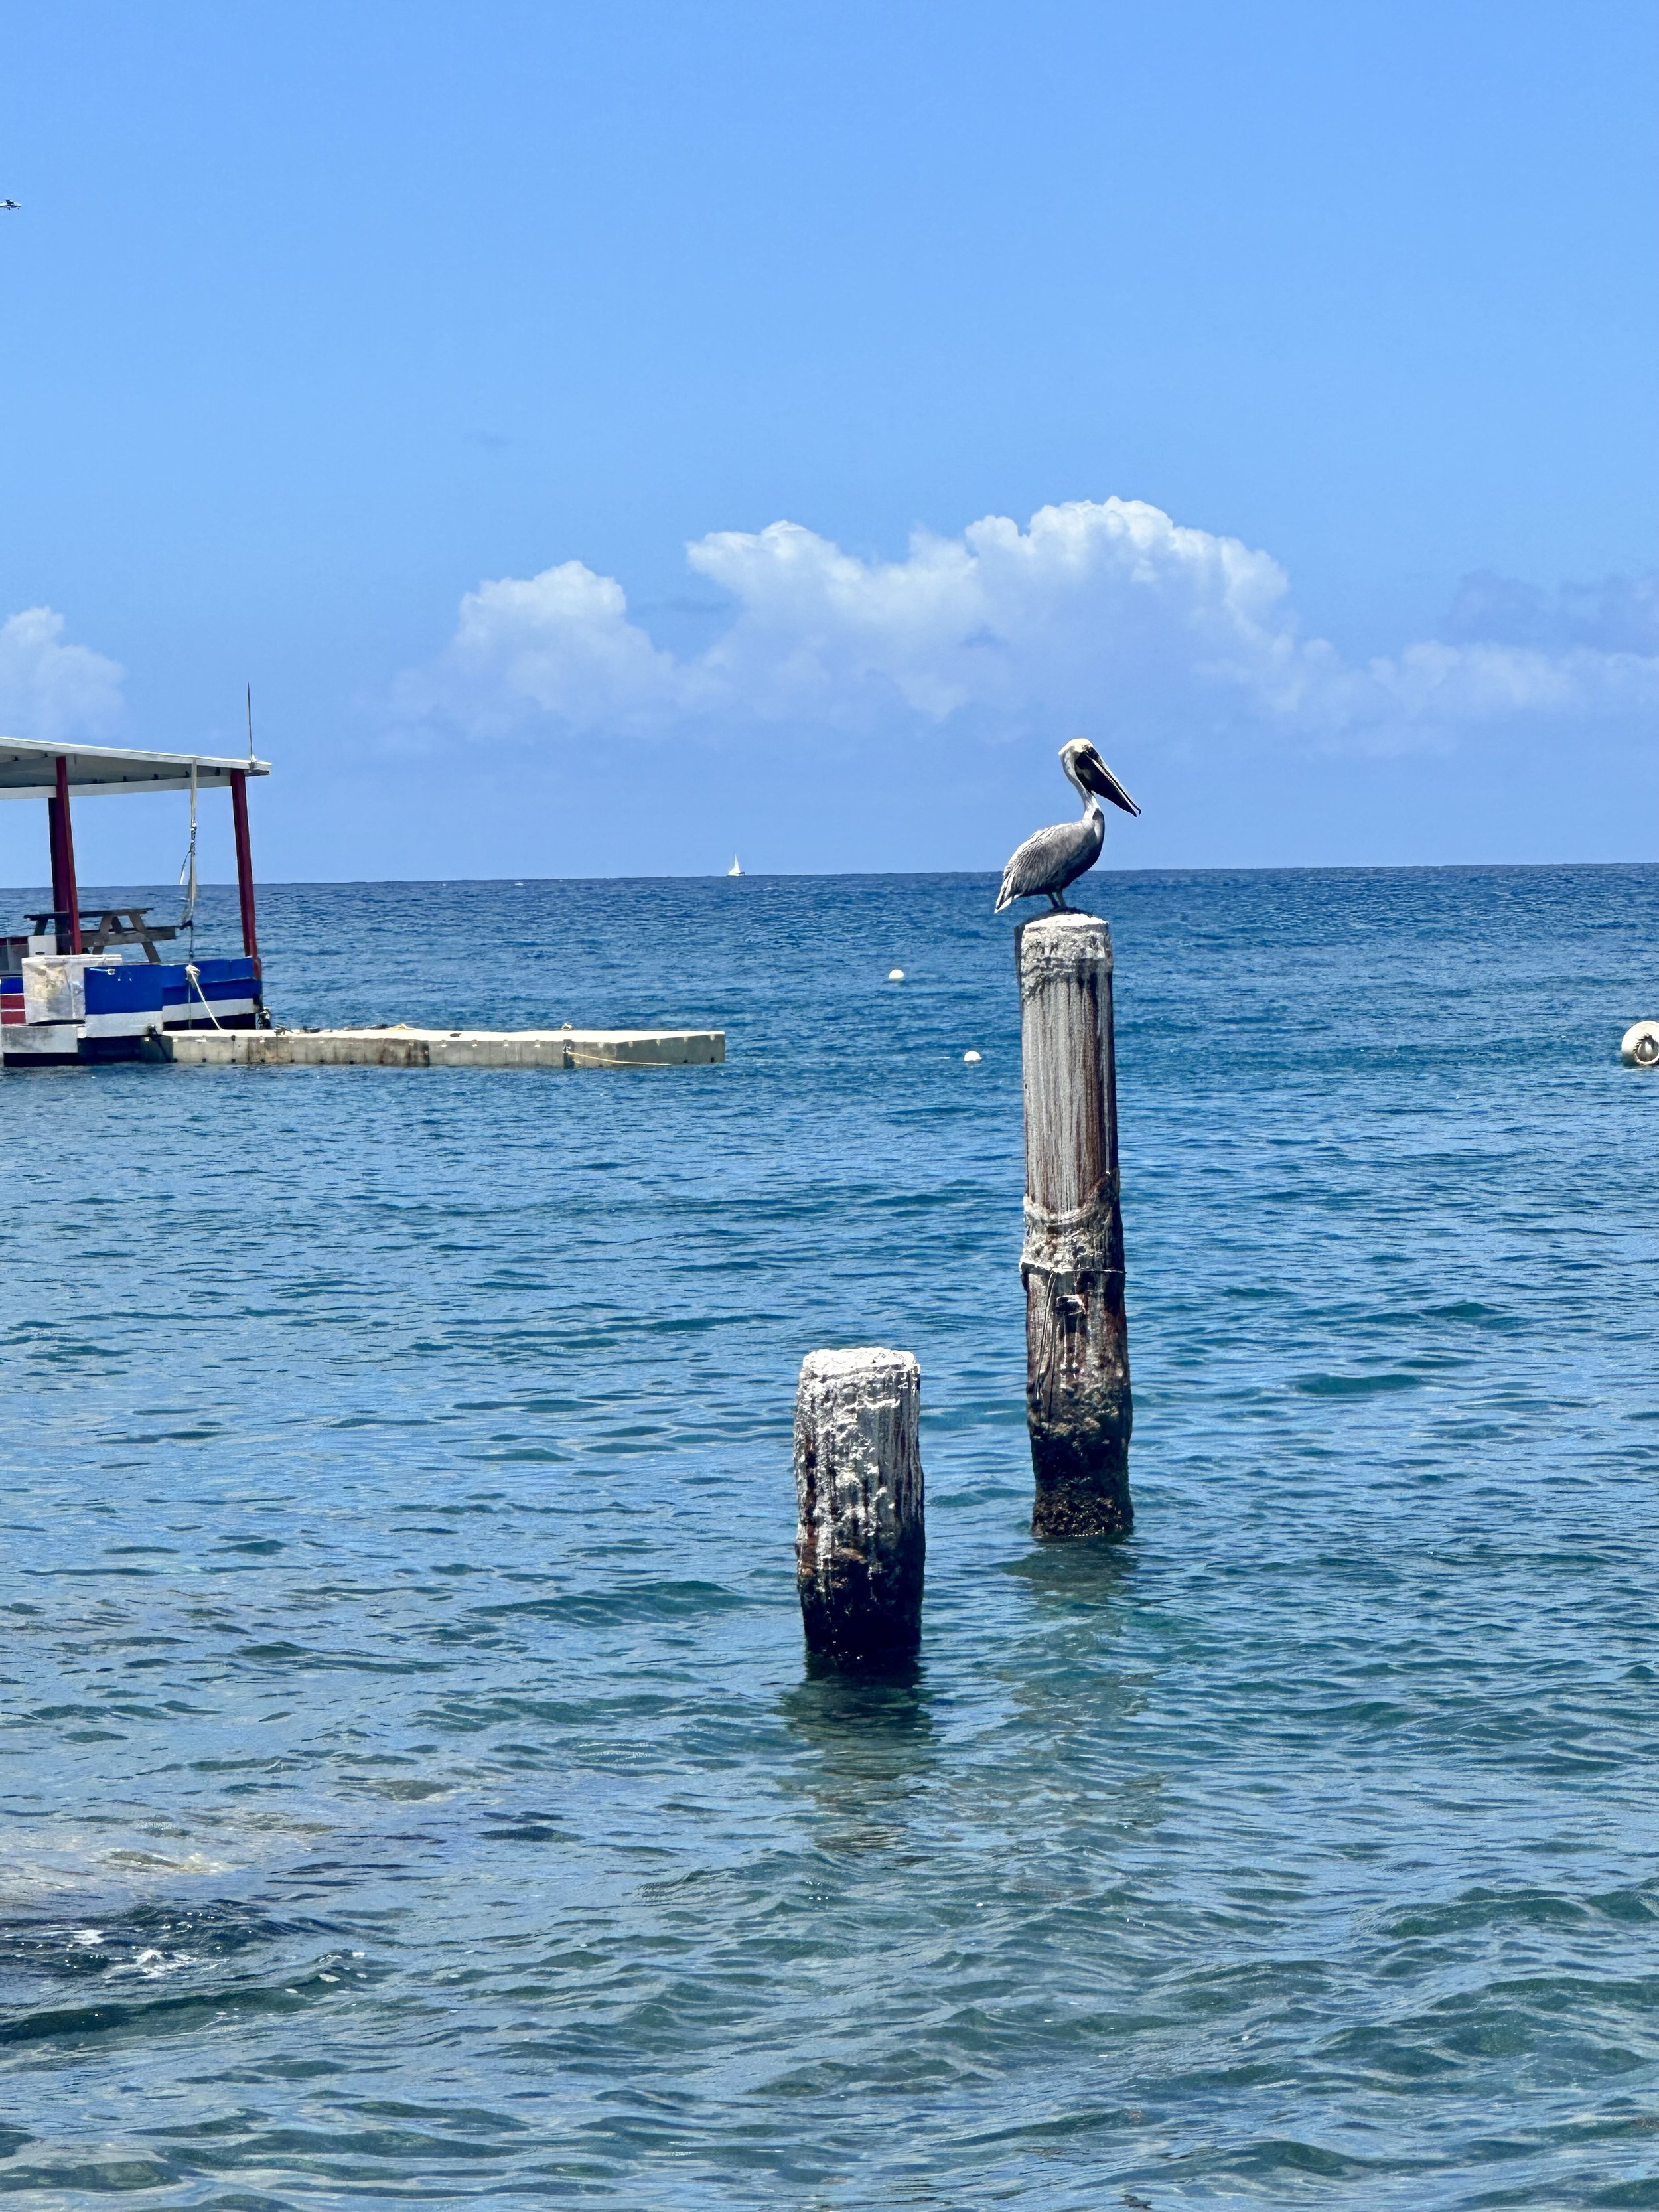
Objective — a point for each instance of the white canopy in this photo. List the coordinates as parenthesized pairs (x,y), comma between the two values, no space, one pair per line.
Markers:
(28,768)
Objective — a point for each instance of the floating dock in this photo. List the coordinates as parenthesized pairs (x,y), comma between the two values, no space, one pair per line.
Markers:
(403,1046)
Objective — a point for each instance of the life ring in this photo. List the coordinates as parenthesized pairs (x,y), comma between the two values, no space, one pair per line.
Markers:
(1639,1045)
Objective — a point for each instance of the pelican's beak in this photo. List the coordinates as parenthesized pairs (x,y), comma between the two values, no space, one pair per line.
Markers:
(1093,772)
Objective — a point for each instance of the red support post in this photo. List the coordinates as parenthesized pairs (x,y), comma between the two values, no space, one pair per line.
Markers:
(244,863)
(55,840)
(66,894)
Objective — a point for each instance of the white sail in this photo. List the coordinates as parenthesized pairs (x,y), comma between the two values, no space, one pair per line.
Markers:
(734,870)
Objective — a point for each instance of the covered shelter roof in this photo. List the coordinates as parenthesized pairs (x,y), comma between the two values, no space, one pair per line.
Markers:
(28,768)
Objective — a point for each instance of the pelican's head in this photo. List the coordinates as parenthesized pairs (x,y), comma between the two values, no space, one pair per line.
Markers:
(1086,769)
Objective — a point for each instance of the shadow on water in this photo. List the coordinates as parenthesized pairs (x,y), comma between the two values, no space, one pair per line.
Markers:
(1066,1661)
(844,1714)
(1089,1575)
(873,1739)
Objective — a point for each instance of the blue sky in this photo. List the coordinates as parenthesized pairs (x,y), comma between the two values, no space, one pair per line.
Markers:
(393,357)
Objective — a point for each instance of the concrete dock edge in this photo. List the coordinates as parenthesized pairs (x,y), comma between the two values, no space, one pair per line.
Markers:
(414,1048)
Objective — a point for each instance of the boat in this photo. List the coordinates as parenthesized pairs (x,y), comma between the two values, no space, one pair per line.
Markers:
(734,870)
(88,985)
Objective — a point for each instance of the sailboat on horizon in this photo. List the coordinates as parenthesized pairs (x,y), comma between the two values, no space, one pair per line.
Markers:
(734,870)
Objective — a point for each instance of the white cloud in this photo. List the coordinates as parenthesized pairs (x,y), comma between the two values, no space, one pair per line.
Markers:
(51,690)
(1100,612)
(558,644)
(1090,604)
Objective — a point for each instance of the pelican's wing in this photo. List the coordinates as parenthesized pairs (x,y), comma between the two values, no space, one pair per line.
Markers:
(1049,860)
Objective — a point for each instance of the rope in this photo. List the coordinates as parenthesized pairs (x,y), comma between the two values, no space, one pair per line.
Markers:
(193,977)
(187,919)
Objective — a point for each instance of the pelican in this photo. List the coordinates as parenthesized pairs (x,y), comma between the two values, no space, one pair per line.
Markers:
(1054,858)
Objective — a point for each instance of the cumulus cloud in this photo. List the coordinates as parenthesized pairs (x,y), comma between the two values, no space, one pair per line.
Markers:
(50,690)
(1091,609)
(559,644)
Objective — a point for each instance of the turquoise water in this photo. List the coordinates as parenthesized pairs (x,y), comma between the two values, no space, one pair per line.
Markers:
(412,1789)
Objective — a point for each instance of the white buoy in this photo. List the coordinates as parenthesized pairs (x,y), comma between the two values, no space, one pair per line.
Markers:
(971,1058)
(1639,1045)
(896,975)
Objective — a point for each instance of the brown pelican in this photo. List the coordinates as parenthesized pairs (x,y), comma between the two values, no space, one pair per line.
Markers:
(1054,858)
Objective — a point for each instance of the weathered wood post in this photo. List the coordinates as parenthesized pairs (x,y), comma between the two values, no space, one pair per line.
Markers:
(860,1543)
(1077,1349)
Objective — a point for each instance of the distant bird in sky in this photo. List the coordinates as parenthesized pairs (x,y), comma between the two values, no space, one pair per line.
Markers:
(1052,858)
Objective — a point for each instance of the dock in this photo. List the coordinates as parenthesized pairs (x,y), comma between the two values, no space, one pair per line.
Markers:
(400,1046)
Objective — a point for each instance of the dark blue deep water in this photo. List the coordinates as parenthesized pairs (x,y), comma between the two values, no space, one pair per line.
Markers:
(412,1790)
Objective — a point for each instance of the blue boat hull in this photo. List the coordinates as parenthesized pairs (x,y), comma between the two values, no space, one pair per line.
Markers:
(129,1009)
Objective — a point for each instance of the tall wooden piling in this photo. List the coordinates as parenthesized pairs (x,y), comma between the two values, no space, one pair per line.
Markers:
(1077,1350)
(859,1542)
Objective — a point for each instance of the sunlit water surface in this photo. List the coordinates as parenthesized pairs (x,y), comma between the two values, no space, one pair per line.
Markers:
(413,1789)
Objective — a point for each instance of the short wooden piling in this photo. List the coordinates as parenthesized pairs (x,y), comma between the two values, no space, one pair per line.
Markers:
(860,1540)
(1076,1351)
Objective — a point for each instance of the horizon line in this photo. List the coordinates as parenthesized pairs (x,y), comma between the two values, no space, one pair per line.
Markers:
(889,875)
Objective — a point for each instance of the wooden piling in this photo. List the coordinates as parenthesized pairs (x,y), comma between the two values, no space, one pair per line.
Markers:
(861,1541)
(1077,1352)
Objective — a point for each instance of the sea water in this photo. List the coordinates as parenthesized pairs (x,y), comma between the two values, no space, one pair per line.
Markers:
(413,1790)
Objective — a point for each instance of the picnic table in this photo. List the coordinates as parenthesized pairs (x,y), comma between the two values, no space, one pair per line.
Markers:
(104,927)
